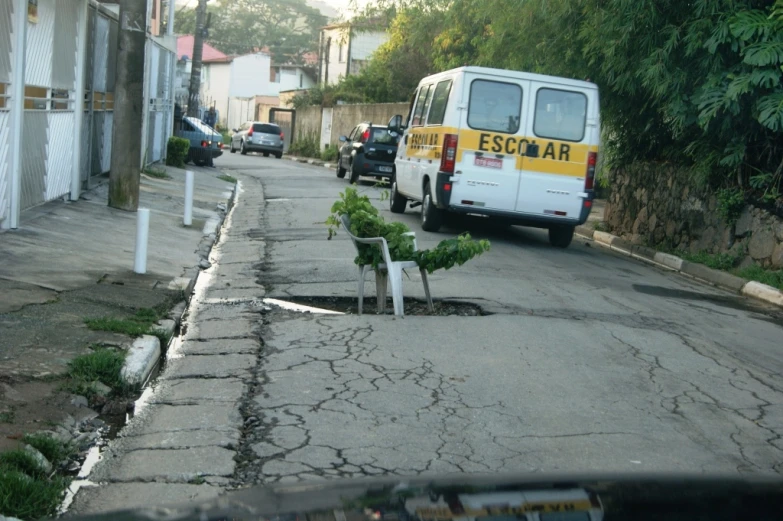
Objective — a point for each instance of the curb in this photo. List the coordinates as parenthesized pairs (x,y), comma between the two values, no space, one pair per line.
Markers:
(314,162)
(672,262)
(143,357)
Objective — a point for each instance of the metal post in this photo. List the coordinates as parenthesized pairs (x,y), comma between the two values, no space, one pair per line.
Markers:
(170,23)
(78,103)
(17,111)
(142,237)
(188,218)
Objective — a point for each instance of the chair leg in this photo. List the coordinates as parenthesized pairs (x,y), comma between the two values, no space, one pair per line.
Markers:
(381,283)
(427,290)
(362,272)
(395,278)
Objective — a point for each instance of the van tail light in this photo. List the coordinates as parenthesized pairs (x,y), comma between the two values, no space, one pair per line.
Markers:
(250,132)
(592,159)
(365,136)
(448,156)
(282,136)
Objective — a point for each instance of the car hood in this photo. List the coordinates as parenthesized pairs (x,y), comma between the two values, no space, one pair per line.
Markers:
(469,498)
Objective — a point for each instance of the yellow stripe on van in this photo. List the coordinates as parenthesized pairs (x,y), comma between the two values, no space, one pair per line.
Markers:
(554,156)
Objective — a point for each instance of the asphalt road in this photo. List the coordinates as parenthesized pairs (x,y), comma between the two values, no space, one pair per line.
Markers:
(585,361)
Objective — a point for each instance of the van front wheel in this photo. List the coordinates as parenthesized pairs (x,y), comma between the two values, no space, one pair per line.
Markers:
(431,217)
(561,236)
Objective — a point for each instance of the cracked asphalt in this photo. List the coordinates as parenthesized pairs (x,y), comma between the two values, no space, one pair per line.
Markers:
(589,361)
(585,361)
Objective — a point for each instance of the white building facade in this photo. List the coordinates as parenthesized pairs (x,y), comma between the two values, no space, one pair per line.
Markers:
(345,50)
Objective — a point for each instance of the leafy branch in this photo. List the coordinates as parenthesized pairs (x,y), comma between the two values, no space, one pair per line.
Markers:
(366,222)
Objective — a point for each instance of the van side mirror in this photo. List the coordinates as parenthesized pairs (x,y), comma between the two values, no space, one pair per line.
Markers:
(531,150)
(395,123)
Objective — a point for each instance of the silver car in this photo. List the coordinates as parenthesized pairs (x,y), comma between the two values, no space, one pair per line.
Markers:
(257,136)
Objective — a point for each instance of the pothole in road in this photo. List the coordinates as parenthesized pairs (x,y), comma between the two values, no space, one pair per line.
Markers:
(413,307)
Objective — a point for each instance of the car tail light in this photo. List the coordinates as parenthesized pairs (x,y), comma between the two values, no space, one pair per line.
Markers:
(250,132)
(220,145)
(204,144)
(448,156)
(282,136)
(592,159)
(366,136)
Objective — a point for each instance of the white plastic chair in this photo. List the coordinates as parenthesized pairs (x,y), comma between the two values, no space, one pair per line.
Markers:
(389,271)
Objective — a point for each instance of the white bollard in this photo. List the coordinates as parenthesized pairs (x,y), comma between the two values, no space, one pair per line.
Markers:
(142,235)
(188,219)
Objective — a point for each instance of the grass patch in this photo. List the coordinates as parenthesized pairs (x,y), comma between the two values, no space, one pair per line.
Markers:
(54,450)
(157,173)
(7,416)
(717,261)
(137,325)
(768,277)
(27,497)
(23,462)
(227,178)
(102,365)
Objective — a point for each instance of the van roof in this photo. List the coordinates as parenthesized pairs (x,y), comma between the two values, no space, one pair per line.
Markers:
(519,75)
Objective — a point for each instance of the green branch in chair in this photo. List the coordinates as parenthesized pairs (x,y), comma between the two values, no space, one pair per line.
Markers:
(366,222)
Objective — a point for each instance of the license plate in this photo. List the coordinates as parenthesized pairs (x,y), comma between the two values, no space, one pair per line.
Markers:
(268,143)
(385,169)
(488,162)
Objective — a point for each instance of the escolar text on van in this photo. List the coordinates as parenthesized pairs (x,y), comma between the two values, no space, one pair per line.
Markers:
(517,147)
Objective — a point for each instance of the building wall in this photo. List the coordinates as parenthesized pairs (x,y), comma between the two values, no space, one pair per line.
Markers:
(250,77)
(215,87)
(337,59)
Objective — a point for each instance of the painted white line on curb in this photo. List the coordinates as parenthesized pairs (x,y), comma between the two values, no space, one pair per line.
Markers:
(671,261)
(763,292)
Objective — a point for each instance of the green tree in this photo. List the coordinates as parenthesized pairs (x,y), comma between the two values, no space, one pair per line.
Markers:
(288,28)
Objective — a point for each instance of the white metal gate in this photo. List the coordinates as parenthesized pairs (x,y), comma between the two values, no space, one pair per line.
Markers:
(102,35)
(160,105)
(6,29)
(50,82)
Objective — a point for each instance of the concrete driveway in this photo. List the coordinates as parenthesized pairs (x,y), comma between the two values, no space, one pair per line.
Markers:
(586,361)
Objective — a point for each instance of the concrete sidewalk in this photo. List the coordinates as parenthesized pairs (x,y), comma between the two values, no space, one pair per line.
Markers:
(71,261)
(182,444)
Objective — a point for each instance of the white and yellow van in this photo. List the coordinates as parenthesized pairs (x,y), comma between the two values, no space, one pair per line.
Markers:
(514,146)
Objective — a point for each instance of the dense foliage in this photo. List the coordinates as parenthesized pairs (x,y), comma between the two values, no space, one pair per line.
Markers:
(697,83)
(176,151)
(366,222)
(287,28)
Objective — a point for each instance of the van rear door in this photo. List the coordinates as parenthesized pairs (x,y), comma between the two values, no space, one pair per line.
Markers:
(490,139)
(552,185)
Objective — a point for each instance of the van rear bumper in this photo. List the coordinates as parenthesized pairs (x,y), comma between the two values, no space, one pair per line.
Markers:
(443,193)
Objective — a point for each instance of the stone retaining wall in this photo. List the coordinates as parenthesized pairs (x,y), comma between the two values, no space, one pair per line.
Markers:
(660,205)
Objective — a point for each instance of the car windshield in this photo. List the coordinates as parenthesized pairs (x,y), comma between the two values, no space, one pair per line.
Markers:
(266,128)
(308,241)
(382,136)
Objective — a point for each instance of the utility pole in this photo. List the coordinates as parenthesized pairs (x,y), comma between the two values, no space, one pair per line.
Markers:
(125,173)
(195,66)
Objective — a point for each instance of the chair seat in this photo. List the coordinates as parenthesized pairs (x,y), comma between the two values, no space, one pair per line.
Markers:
(403,264)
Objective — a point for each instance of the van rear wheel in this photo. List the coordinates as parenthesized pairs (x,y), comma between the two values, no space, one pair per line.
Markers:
(561,236)
(397,202)
(431,217)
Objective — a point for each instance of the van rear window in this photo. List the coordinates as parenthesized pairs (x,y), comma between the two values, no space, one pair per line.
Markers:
(495,106)
(266,128)
(560,114)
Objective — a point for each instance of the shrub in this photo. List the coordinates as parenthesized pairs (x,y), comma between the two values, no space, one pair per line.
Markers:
(305,147)
(176,151)
(329,154)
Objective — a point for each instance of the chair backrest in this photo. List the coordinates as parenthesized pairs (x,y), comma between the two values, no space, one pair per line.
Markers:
(346,220)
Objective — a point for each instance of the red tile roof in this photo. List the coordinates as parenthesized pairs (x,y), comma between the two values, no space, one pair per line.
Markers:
(209,53)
